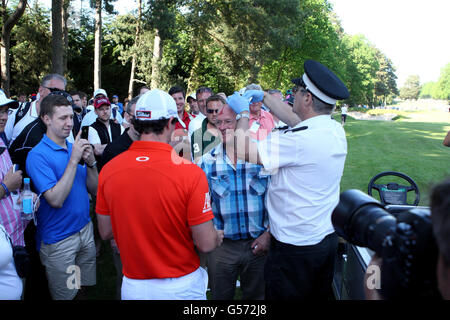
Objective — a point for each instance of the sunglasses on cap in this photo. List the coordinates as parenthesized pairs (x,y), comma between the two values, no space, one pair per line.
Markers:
(52,89)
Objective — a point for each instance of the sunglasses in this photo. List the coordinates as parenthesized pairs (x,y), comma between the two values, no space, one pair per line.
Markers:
(52,89)
(301,86)
(212,111)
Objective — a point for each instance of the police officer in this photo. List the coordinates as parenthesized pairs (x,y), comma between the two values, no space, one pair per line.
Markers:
(307,162)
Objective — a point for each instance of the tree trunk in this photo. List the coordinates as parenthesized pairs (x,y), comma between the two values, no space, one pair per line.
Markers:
(281,68)
(8,24)
(65,29)
(98,45)
(157,55)
(195,65)
(57,37)
(136,44)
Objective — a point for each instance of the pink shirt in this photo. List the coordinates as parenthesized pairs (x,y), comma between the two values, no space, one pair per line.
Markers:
(266,124)
(9,217)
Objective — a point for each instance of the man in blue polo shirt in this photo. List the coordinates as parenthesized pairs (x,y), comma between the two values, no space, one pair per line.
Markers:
(64,229)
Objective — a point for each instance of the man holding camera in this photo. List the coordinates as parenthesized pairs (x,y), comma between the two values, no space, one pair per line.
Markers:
(307,162)
(440,222)
(64,228)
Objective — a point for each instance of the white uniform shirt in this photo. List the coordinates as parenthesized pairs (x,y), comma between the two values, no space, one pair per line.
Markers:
(304,188)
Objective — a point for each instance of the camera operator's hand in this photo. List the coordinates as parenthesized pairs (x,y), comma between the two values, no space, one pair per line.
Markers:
(372,275)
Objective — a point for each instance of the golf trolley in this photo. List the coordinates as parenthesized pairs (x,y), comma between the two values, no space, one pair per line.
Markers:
(352,260)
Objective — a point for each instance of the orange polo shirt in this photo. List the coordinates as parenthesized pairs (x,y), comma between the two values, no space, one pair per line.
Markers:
(153,197)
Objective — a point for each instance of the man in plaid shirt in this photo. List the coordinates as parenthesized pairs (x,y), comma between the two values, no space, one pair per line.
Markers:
(237,194)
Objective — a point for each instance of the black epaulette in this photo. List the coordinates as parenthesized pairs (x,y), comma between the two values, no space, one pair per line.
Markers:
(297,129)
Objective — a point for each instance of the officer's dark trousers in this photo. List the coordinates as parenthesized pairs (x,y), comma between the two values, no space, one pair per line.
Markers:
(300,272)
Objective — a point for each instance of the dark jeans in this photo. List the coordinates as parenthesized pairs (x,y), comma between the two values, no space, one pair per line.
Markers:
(232,259)
(300,272)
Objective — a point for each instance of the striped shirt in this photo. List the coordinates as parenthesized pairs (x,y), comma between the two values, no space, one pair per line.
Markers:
(237,195)
(10,218)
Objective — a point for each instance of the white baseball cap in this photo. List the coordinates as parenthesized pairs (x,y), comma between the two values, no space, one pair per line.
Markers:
(192,95)
(156,104)
(5,101)
(100,91)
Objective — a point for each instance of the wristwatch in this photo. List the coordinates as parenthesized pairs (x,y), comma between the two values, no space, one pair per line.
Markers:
(243,115)
(92,165)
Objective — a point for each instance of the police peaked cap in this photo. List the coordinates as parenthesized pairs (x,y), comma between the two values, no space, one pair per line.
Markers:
(322,83)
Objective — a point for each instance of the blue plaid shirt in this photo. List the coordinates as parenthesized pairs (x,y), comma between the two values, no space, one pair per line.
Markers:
(237,195)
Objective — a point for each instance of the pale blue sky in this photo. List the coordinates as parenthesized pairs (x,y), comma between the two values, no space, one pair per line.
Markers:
(414,34)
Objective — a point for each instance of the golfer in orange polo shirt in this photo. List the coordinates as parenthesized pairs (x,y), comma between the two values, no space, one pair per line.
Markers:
(163,213)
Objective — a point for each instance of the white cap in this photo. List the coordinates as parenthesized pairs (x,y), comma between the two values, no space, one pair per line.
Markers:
(156,105)
(5,101)
(100,91)
(193,96)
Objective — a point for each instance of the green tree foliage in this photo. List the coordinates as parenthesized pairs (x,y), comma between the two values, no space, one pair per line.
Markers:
(30,50)
(385,84)
(443,83)
(439,89)
(411,89)
(224,44)
(429,90)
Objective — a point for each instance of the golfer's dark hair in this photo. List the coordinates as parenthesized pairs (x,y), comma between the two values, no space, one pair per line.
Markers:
(154,126)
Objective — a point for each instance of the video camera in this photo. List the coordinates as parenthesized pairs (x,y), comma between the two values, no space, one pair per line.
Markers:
(401,235)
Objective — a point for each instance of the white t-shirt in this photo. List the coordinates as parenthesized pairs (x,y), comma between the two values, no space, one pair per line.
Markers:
(195,124)
(10,284)
(91,116)
(307,167)
(94,138)
(344,110)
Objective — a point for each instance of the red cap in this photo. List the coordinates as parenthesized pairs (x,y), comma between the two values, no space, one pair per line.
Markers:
(101,101)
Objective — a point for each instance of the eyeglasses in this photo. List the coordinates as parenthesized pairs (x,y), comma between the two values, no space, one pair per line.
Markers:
(6,112)
(301,86)
(212,110)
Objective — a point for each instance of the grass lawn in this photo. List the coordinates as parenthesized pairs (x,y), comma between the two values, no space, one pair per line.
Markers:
(407,145)
(410,147)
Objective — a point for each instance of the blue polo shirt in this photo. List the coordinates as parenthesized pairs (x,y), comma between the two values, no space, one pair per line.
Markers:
(46,164)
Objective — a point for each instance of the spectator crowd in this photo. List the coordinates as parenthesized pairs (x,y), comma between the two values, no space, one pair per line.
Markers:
(194,193)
